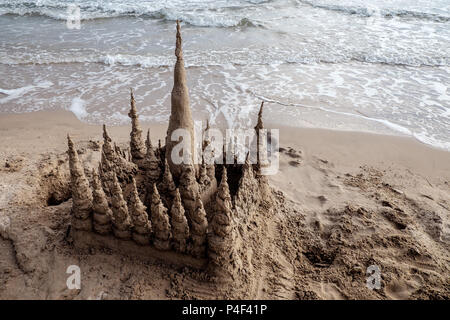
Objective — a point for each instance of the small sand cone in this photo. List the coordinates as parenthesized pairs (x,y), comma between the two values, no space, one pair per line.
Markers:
(224,205)
(118,150)
(262,160)
(210,167)
(247,177)
(81,192)
(167,185)
(160,222)
(206,140)
(102,212)
(199,226)
(151,167)
(139,218)
(137,146)
(247,193)
(221,252)
(260,124)
(121,218)
(108,148)
(159,152)
(189,188)
(106,172)
(204,180)
(261,147)
(180,227)
(118,162)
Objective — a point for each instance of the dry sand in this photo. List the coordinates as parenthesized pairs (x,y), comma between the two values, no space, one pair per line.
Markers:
(344,201)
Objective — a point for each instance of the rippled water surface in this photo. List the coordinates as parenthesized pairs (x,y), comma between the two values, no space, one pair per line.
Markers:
(373,65)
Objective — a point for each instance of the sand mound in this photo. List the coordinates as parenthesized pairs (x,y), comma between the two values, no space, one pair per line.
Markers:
(293,253)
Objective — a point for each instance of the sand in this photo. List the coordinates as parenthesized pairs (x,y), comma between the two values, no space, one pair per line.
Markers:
(344,201)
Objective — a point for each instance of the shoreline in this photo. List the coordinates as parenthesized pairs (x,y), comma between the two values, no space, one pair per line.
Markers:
(44,132)
(68,117)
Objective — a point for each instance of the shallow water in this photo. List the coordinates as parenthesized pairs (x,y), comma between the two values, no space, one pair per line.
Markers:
(379,66)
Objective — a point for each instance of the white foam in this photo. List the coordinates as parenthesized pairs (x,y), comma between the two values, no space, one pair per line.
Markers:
(425,138)
(12,94)
(78,108)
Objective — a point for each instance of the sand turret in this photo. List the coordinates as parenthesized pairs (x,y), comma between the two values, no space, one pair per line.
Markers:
(102,213)
(137,146)
(189,188)
(224,206)
(167,185)
(206,140)
(210,167)
(180,116)
(117,160)
(180,227)
(221,250)
(203,177)
(199,226)
(106,173)
(81,192)
(121,218)
(247,181)
(262,157)
(261,146)
(160,222)
(151,168)
(159,151)
(139,218)
(151,163)
(108,148)
(260,124)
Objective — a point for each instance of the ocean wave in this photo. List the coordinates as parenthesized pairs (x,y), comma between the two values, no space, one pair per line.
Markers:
(11,94)
(197,16)
(218,58)
(369,11)
(424,136)
(204,20)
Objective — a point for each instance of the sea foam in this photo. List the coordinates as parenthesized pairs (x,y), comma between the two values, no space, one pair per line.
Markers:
(78,108)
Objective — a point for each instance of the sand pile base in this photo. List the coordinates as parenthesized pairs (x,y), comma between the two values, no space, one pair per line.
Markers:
(330,222)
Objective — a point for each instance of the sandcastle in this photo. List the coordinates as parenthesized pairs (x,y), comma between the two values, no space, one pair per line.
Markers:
(139,201)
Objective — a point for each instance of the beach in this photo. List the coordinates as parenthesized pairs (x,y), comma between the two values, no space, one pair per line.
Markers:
(345,200)
(96,204)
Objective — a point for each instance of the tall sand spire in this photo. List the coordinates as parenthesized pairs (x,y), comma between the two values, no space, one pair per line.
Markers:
(81,192)
(260,150)
(180,117)
(259,124)
(136,144)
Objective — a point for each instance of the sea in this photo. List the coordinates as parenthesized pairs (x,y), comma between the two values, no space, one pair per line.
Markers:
(380,66)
